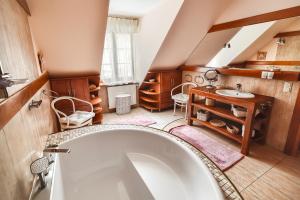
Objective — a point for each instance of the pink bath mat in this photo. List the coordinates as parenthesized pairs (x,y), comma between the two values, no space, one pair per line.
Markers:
(220,154)
(138,120)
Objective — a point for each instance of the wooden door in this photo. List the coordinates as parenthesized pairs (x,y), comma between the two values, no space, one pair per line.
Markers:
(61,86)
(80,90)
(166,82)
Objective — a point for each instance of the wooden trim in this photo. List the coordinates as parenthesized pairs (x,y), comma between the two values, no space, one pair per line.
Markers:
(293,139)
(278,75)
(255,73)
(11,106)
(287,34)
(24,5)
(70,76)
(267,17)
(277,62)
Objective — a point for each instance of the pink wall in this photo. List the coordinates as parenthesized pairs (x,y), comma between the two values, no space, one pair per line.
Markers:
(154,27)
(70,33)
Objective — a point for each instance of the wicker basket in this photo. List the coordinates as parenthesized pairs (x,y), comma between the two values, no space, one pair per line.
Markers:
(209,102)
(203,115)
(239,111)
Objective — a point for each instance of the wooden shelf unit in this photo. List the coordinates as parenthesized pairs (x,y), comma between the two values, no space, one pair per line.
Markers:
(96,102)
(221,130)
(160,98)
(221,112)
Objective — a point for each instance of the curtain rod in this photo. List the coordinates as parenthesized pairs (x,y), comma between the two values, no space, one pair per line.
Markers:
(123,17)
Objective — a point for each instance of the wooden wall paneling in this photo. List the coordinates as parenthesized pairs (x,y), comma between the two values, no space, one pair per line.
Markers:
(267,17)
(293,139)
(13,104)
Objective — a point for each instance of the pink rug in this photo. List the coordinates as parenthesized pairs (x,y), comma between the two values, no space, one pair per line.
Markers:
(138,120)
(220,154)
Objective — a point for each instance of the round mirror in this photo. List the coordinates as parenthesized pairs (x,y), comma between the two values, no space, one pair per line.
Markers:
(211,76)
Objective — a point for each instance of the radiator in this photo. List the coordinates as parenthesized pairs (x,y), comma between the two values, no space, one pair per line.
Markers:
(113,91)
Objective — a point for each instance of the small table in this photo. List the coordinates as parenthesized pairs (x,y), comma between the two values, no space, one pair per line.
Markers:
(251,104)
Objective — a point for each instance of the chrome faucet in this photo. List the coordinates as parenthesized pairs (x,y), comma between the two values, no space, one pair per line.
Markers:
(7,81)
(55,150)
(239,87)
(41,165)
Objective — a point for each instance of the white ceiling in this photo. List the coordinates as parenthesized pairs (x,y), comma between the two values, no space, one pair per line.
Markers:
(133,8)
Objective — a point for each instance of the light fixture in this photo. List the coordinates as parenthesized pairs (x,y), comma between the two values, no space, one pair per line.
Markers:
(227,45)
(280,41)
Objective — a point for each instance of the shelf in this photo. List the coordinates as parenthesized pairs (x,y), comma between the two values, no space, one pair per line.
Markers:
(256,73)
(95,90)
(221,130)
(147,106)
(151,83)
(149,93)
(149,100)
(222,112)
(96,101)
(97,110)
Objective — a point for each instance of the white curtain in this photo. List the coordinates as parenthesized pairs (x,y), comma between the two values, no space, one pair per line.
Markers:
(118,55)
(121,25)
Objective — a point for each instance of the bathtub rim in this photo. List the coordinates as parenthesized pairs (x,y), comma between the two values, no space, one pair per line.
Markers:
(191,149)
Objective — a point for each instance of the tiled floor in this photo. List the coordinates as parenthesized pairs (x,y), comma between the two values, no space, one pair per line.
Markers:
(265,174)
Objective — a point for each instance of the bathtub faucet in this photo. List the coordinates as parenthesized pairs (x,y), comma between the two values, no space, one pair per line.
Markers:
(55,150)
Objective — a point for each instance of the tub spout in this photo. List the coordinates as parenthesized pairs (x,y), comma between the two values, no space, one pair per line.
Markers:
(54,150)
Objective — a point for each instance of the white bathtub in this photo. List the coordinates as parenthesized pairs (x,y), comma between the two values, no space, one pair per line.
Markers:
(123,164)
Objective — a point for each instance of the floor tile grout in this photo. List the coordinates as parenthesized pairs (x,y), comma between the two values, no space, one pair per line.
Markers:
(277,163)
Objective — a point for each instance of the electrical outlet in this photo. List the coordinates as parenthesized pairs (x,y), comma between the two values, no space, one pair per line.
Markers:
(287,87)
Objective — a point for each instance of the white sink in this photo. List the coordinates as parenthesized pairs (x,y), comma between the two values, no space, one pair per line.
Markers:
(235,93)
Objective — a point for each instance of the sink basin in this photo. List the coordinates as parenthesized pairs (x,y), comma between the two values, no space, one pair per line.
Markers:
(235,93)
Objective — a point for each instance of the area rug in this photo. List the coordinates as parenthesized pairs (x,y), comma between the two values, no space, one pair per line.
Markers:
(221,155)
(138,120)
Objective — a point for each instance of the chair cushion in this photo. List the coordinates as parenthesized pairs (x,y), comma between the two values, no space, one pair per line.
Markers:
(181,97)
(78,117)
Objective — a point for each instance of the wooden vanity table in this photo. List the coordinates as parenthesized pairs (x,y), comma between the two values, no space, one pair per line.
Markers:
(221,110)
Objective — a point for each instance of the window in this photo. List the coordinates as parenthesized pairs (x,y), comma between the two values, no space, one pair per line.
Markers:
(118,57)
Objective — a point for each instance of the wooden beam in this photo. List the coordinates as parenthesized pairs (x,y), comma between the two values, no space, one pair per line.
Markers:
(277,62)
(24,5)
(12,105)
(287,34)
(293,139)
(267,17)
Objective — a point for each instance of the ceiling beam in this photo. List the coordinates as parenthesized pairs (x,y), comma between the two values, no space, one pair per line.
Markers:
(287,34)
(267,17)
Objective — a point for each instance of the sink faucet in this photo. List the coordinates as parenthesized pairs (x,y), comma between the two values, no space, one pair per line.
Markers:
(239,87)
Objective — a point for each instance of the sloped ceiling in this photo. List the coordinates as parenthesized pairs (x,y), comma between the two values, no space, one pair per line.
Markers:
(193,21)
(210,46)
(190,26)
(70,33)
(264,39)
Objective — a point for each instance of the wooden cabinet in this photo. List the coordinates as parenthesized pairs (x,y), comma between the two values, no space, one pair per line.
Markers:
(78,87)
(156,95)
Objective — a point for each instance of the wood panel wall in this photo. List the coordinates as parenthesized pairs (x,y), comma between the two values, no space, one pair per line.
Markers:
(23,137)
